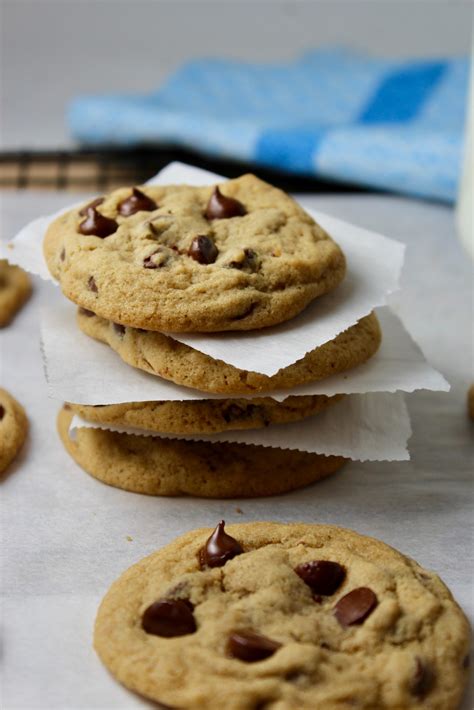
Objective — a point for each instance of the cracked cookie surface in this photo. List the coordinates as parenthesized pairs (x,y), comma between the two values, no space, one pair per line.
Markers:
(284,617)
(15,289)
(166,357)
(159,258)
(205,416)
(13,428)
(171,467)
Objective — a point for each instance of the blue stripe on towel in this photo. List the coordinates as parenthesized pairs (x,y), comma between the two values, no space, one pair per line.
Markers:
(402,94)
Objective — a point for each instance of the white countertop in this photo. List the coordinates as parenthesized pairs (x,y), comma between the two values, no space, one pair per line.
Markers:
(64,534)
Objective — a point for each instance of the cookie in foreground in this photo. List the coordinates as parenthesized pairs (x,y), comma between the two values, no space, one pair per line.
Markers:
(238,256)
(13,428)
(172,467)
(161,355)
(15,289)
(284,616)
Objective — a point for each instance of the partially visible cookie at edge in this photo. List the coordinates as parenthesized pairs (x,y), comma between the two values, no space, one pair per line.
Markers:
(205,416)
(15,289)
(238,256)
(166,357)
(13,428)
(288,616)
(170,467)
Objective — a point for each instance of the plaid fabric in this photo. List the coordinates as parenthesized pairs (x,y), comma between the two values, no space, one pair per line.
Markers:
(395,125)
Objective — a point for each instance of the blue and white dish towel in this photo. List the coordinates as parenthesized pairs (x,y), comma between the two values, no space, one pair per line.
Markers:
(336,114)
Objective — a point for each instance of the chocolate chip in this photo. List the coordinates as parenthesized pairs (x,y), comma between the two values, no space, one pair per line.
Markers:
(219,548)
(155,263)
(250,647)
(62,255)
(119,328)
(250,309)
(356,606)
(97,225)
(2,412)
(91,284)
(234,412)
(466,661)
(137,202)
(248,263)
(423,679)
(168,618)
(95,203)
(203,250)
(322,576)
(86,313)
(222,207)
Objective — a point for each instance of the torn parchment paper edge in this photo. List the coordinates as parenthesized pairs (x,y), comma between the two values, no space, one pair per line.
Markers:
(363,427)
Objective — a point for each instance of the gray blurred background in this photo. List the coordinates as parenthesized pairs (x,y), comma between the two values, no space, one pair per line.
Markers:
(52,50)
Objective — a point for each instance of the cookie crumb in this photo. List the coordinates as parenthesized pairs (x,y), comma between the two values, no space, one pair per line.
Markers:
(239,511)
(130,539)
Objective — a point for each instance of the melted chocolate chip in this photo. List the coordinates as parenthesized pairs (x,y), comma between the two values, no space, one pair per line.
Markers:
(222,207)
(249,263)
(423,679)
(322,576)
(168,618)
(356,606)
(203,250)
(2,412)
(250,647)
(62,255)
(219,548)
(248,311)
(234,412)
(149,263)
(137,202)
(96,225)
(91,284)
(466,661)
(119,328)
(86,313)
(95,203)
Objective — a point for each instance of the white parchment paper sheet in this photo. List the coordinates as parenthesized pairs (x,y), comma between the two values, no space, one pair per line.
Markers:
(82,370)
(363,427)
(374,266)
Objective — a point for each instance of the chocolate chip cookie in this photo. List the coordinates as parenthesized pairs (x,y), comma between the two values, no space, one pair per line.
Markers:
(13,428)
(205,416)
(238,256)
(161,355)
(15,289)
(168,467)
(294,617)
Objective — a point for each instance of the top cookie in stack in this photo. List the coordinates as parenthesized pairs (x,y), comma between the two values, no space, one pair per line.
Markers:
(239,256)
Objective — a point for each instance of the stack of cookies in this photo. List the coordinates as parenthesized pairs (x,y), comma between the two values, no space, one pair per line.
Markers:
(142,263)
